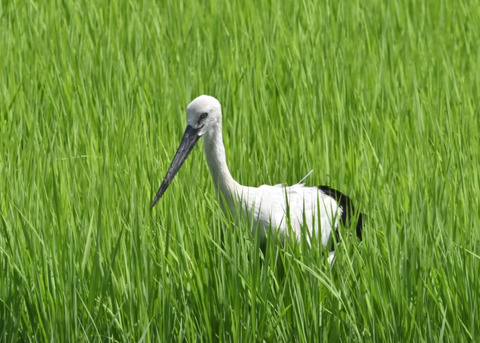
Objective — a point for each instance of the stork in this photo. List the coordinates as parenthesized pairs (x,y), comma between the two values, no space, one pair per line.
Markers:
(318,210)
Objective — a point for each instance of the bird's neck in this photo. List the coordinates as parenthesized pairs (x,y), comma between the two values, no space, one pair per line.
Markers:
(217,163)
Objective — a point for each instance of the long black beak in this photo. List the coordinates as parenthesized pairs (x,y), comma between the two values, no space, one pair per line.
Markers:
(189,139)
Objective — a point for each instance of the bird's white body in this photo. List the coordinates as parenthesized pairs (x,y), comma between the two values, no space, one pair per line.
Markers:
(310,211)
(296,209)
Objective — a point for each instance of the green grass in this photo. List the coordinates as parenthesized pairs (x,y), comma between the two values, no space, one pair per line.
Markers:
(381,99)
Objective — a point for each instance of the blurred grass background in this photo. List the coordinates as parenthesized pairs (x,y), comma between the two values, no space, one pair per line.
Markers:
(379,98)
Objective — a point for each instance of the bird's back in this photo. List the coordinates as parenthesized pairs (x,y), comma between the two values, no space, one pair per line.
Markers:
(306,210)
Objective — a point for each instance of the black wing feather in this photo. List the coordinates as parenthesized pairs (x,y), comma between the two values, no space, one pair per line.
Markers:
(348,211)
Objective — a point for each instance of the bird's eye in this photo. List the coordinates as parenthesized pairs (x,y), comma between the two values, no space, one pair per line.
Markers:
(203,115)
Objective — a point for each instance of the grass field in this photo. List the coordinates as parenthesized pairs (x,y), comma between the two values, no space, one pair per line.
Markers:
(380,98)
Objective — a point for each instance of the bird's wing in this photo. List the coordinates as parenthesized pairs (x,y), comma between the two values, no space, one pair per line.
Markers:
(309,210)
(348,210)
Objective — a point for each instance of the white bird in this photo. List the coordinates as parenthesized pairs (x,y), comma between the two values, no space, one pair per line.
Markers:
(316,209)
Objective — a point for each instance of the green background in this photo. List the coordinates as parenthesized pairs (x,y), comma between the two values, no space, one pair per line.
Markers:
(379,98)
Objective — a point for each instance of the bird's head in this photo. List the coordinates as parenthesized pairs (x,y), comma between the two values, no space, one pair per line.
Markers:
(203,113)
